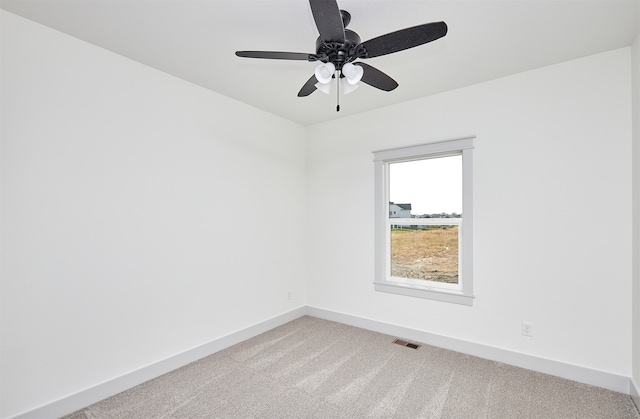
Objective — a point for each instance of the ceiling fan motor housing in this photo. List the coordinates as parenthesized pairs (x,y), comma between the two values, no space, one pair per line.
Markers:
(338,53)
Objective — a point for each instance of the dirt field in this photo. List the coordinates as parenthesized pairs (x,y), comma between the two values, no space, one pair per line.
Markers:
(425,254)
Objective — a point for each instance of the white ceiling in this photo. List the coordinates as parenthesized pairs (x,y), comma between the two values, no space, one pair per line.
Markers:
(196,40)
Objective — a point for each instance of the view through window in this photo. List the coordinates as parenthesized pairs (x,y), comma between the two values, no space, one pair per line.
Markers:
(425,212)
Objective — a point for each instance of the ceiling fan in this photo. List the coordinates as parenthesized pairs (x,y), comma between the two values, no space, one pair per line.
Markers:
(338,48)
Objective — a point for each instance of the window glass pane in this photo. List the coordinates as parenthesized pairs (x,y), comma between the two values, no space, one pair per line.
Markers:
(425,252)
(426,188)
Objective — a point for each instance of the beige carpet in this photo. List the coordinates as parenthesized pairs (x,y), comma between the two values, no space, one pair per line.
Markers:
(312,368)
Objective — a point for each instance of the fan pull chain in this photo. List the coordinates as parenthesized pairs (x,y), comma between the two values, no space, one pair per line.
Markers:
(338,92)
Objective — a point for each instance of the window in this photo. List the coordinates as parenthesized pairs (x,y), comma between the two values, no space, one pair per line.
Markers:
(424,220)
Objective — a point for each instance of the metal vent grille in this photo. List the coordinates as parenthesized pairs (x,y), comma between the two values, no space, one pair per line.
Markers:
(406,344)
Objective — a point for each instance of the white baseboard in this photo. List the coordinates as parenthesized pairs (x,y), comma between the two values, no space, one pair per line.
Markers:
(577,373)
(83,398)
(635,393)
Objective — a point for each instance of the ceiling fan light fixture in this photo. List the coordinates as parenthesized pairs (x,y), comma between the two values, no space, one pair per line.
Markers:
(353,73)
(324,72)
(324,87)
(347,87)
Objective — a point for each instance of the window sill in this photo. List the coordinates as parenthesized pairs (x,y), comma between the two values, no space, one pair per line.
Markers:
(449,296)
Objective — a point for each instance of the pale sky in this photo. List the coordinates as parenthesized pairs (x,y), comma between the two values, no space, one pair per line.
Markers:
(431,186)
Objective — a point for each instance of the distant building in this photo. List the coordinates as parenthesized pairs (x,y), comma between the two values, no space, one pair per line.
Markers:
(399,210)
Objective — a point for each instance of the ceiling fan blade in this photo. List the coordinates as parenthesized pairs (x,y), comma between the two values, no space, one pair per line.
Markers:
(309,87)
(277,55)
(376,78)
(328,20)
(403,39)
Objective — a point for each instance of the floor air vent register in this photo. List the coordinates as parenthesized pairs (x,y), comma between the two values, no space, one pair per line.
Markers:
(406,344)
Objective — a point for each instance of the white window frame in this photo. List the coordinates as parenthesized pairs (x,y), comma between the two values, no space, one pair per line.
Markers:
(461,293)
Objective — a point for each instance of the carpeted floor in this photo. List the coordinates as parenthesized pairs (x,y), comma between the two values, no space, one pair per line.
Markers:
(312,368)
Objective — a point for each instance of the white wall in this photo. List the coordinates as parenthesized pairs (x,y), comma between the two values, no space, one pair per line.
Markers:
(635,48)
(115,181)
(552,211)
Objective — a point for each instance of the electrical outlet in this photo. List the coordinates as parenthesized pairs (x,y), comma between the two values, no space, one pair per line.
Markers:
(527,329)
